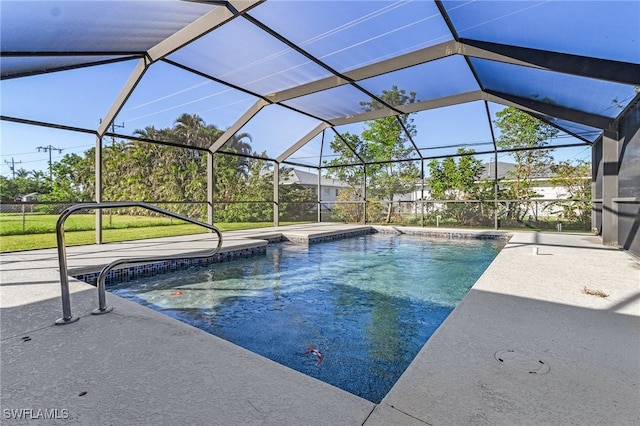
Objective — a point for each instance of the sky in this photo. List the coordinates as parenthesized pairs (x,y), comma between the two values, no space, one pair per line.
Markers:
(353,37)
(48,98)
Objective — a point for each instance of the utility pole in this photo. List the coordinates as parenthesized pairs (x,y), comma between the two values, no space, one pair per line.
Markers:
(113,127)
(48,149)
(113,130)
(12,166)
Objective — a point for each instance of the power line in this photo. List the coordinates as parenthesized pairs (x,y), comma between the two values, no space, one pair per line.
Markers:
(12,166)
(113,126)
(113,130)
(31,152)
(48,149)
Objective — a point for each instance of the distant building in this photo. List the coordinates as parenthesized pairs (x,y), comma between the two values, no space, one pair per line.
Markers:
(28,197)
(542,183)
(330,188)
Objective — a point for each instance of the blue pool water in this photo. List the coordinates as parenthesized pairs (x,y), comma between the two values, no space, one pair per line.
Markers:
(353,312)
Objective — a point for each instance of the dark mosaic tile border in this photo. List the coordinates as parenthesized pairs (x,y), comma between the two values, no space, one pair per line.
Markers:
(349,234)
(332,237)
(152,269)
(447,234)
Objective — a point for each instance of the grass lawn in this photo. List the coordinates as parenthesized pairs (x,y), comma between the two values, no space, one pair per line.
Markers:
(79,230)
(36,223)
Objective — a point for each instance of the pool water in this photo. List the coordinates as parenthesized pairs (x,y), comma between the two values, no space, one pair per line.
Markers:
(352,312)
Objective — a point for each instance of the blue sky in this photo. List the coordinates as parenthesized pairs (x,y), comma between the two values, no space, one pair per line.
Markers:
(80,98)
(356,34)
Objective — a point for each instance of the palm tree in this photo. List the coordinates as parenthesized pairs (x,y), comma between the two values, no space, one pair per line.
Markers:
(191,130)
(238,144)
(22,173)
(232,171)
(41,181)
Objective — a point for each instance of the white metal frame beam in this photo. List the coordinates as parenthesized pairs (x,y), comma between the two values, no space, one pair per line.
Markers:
(186,35)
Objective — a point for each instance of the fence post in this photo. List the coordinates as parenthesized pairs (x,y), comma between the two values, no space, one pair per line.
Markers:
(24,220)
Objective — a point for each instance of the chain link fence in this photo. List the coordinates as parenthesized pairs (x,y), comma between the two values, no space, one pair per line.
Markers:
(41,217)
(542,214)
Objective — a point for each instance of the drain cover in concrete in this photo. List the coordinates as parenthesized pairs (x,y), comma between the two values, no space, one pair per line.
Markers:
(522,361)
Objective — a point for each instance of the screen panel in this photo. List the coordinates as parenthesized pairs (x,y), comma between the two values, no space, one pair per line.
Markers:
(350,34)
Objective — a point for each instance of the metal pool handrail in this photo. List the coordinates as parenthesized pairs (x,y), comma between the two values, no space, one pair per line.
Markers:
(62,253)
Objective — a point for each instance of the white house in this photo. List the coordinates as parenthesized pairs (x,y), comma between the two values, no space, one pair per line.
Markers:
(330,188)
(542,183)
(28,197)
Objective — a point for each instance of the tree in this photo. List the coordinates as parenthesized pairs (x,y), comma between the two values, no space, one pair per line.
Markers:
(140,170)
(526,136)
(73,178)
(188,130)
(574,179)
(253,188)
(297,203)
(24,182)
(383,147)
(348,209)
(157,172)
(8,189)
(457,180)
(232,166)
(451,180)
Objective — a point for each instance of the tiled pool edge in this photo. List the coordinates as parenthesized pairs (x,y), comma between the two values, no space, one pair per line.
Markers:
(117,276)
(329,237)
(445,233)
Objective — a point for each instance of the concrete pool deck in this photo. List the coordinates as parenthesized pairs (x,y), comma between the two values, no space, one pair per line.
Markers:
(525,346)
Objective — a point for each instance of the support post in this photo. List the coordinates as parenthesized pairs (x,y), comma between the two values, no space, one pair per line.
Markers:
(496,221)
(276,194)
(98,188)
(596,196)
(610,154)
(210,188)
(422,193)
(495,190)
(319,177)
(319,197)
(364,194)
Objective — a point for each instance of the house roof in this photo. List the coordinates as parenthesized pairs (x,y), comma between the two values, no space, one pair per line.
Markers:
(489,170)
(310,179)
(505,168)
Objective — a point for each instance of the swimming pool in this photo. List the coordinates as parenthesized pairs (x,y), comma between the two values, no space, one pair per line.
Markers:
(352,312)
